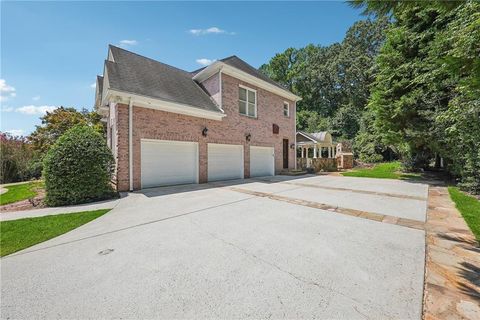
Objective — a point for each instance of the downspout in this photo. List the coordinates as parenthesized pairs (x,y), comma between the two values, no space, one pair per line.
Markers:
(295,126)
(130,143)
(220,89)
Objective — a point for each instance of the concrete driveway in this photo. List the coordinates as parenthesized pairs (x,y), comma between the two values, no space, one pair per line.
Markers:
(313,247)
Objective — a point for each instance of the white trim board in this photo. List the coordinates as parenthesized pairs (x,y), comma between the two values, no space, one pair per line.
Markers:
(241,75)
(157,104)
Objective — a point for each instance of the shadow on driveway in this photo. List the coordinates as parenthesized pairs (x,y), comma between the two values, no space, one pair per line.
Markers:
(168,190)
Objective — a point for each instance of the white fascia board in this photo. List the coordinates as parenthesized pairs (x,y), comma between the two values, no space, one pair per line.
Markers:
(208,71)
(157,104)
(239,74)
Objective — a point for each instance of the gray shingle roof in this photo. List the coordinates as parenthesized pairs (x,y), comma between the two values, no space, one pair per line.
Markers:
(99,91)
(136,74)
(317,136)
(100,84)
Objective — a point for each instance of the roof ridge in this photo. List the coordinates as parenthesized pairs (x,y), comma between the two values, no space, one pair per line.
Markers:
(229,57)
(144,57)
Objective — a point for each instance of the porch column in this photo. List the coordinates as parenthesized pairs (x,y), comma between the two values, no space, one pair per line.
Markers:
(320,151)
(315,151)
(329,152)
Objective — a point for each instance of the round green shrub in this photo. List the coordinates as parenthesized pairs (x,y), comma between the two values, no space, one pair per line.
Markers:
(78,168)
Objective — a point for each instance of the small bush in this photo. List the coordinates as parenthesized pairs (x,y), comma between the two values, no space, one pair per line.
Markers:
(78,168)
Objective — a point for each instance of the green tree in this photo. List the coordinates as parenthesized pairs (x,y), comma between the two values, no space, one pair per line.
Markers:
(333,81)
(425,98)
(18,160)
(310,121)
(57,122)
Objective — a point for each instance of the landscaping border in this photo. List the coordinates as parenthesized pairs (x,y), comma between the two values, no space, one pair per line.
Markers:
(452,262)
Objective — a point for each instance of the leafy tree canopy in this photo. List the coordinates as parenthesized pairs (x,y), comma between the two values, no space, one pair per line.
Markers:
(333,81)
(425,99)
(57,122)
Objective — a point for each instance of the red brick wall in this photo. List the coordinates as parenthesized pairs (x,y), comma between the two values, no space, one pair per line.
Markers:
(156,124)
(122,147)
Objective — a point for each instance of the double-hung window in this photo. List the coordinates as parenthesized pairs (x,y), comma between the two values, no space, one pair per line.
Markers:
(247,102)
(286,109)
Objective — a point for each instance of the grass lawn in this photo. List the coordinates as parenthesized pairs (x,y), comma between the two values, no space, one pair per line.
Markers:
(389,170)
(19,192)
(469,207)
(19,234)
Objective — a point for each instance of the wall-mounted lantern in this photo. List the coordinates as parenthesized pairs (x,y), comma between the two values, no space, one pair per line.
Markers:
(248,137)
(204,131)
(292,146)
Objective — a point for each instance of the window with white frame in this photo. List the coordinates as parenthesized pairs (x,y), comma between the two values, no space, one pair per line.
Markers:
(247,101)
(286,109)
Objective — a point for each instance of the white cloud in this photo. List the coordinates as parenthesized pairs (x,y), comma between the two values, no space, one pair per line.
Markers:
(211,30)
(16,132)
(35,110)
(93,85)
(126,43)
(7,109)
(204,61)
(36,98)
(6,91)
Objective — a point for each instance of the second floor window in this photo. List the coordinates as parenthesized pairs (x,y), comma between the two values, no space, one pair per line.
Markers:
(286,109)
(247,102)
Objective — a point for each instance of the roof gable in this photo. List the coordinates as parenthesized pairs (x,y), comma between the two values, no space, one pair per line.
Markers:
(238,63)
(321,137)
(133,73)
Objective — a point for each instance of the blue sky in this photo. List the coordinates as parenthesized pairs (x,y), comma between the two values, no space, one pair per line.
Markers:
(52,51)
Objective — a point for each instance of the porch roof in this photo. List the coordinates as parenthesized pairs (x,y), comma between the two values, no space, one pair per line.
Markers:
(322,138)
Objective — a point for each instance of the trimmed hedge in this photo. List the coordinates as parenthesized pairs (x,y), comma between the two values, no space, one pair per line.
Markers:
(78,168)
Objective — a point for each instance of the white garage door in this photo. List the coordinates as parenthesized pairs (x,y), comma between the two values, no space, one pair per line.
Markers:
(168,162)
(225,161)
(262,161)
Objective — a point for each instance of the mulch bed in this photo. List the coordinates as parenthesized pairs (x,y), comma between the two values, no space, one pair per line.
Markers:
(28,204)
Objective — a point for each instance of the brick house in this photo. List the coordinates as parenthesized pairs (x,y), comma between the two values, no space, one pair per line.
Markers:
(167,126)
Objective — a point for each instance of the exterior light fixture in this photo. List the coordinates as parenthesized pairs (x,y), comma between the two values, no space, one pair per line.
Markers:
(248,137)
(292,146)
(204,131)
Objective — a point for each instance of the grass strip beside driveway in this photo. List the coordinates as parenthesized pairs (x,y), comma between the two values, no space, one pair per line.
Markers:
(19,234)
(389,170)
(469,207)
(19,192)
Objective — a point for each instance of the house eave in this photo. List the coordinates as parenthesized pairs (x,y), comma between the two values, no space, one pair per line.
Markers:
(239,74)
(159,104)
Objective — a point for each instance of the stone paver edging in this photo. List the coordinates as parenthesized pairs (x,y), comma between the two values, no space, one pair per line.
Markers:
(452,275)
(404,222)
(394,195)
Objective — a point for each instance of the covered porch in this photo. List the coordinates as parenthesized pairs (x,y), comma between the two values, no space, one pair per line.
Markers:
(313,146)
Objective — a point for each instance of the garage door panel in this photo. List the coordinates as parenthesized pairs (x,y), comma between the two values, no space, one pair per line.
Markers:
(225,162)
(262,161)
(168,162)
